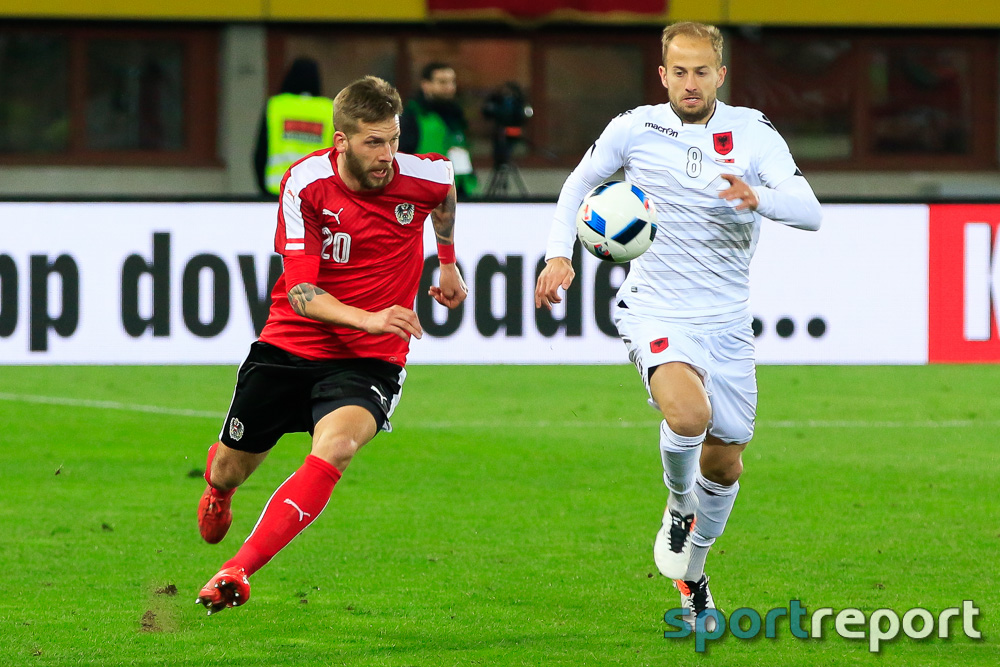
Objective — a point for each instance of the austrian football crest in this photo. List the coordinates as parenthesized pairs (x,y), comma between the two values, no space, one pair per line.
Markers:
(235,429)
(404,213)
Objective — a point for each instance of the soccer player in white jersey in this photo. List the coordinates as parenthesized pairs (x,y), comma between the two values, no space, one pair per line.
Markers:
(712,170)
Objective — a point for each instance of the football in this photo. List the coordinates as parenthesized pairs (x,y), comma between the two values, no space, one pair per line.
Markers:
(616,222)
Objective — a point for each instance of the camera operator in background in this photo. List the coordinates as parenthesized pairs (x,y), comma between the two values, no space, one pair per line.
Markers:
(433,122)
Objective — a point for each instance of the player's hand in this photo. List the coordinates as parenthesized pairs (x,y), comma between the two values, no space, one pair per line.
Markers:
(558,272)
(396,320)
(738,189)
(453,289)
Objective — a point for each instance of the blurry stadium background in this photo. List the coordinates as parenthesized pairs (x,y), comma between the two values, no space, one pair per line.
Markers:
(876,99)
(509,519)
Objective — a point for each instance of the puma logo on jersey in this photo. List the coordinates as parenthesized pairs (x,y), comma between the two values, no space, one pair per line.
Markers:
(336,216)
(289,501)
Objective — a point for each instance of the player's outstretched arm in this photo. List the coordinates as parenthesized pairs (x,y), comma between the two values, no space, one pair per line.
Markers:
(451,289)
(558,272)
(317,304)
(604,158)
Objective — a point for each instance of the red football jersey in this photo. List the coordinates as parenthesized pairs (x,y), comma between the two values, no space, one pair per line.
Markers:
(369,245)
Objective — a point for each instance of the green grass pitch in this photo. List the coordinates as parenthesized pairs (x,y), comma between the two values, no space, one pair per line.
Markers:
(507,521)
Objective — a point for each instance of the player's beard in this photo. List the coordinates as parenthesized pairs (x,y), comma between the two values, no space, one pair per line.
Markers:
(694,116)
(364,174)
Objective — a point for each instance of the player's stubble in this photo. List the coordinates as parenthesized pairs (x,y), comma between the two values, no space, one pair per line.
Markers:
(364,174)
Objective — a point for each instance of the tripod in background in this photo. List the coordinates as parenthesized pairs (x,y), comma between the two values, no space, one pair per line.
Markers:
(509,111)
(505,172)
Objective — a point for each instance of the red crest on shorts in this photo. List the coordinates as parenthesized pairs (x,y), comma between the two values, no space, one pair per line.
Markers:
(723,142)
(659,345)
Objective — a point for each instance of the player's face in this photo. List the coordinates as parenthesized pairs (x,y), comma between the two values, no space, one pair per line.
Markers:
(369,152)
(692,75)
(442,85)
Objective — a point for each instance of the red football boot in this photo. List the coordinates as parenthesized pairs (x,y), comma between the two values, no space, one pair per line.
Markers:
(229,588)
(214,515)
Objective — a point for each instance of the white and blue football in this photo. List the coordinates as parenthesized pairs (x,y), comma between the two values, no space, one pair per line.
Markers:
(616,222)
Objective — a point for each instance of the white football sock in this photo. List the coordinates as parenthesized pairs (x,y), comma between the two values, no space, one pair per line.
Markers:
(680,455)
(696,566)
(715,504)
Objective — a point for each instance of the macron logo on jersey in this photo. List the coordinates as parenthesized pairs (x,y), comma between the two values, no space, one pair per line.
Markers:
(663,130)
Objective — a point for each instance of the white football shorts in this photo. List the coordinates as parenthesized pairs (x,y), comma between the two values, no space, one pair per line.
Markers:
(724,357)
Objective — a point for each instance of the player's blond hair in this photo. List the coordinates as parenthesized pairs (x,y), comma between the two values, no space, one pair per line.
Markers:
(367,100)
(695,31)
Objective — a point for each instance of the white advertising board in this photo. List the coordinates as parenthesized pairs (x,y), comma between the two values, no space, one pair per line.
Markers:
(854,292)
(109,283)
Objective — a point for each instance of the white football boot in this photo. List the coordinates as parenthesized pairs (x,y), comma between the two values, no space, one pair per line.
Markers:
(672,546)
(695,599)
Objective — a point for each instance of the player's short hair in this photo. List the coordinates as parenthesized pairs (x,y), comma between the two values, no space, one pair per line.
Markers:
(367,100)
(427,73)
(696,31)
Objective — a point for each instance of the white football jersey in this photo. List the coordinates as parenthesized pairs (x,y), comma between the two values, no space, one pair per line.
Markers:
(698,267)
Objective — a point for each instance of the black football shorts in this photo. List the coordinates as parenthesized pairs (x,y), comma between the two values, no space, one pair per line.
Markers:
(278,392)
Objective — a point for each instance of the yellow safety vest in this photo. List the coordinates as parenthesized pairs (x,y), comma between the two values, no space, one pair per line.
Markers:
(296,126)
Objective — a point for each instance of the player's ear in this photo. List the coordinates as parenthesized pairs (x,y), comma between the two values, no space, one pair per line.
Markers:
(663,75)
(722,77)
(340,141)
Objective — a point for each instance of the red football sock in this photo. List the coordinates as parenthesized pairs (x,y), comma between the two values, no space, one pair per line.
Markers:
(208,473)
(293,506)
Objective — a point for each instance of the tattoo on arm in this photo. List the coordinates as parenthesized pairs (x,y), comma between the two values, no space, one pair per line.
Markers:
(302,294)
(443,218)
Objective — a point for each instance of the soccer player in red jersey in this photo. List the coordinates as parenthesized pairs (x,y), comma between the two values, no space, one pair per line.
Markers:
(331,357)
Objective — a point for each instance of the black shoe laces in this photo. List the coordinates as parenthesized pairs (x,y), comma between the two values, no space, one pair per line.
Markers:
(699,595)
(680,528)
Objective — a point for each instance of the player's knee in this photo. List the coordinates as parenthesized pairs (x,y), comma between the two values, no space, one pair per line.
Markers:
(336,448)
(725,472)
(689,420)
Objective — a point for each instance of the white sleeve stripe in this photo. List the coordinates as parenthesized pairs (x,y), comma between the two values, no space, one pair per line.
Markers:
(428,169)
(300,177)
(295,246)
(292,213)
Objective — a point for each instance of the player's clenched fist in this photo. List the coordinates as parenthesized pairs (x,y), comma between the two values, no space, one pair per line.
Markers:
(558,272)
(739,190)
(453,289)
(396,320)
